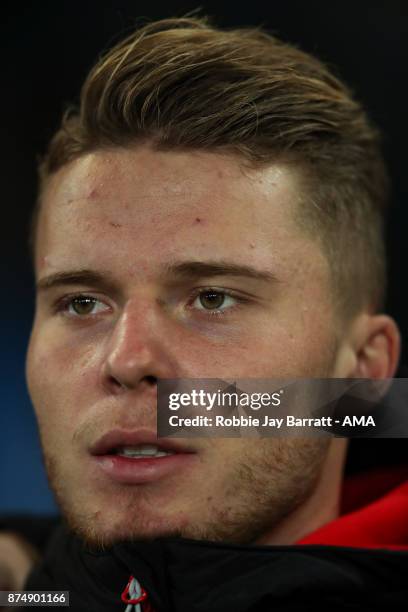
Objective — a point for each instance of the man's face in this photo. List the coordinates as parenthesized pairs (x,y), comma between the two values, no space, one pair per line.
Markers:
(135,261)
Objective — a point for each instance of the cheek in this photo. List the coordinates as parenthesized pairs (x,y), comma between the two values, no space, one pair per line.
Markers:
(59,376)
(294,351)
(283,344)
(302,336)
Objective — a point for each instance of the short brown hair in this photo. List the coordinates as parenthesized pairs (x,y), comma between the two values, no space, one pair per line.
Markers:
(185,84)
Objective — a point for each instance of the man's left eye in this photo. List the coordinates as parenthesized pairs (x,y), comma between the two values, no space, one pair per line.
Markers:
(213,300)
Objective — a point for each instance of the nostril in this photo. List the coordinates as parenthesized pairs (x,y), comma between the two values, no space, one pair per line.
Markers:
(118,384)
(151,380)
(115,383)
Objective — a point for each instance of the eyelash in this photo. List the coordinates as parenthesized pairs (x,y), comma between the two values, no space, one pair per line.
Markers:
(63,304)
(239,299)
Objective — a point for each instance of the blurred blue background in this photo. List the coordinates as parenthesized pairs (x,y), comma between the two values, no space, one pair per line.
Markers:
(23,483)
(47,49)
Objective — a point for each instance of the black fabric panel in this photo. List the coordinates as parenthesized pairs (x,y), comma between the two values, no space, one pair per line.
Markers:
(35,529)
(190,576)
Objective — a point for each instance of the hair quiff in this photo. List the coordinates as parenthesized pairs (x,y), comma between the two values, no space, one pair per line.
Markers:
(185,84)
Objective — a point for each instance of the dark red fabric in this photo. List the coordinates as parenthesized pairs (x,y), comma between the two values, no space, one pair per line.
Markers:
(375,516)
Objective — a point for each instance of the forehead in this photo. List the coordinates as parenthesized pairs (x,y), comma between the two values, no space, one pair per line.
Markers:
(148,206)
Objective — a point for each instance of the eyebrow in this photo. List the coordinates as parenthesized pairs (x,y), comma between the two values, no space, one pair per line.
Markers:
(186,270)
(75,277)
(197,269)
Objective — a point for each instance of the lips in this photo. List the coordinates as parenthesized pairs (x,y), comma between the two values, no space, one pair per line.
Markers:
(172,461)
(110,442)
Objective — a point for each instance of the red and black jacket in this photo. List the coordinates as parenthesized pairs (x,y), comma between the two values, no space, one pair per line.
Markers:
(359,562)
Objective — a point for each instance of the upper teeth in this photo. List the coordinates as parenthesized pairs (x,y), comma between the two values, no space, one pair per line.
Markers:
(142,450)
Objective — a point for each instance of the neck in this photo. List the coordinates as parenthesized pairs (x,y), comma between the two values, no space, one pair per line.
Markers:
(321,507)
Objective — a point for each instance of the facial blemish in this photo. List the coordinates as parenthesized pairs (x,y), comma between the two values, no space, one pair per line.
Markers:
(252,246)
(115,224)
(93,193)
(198,220)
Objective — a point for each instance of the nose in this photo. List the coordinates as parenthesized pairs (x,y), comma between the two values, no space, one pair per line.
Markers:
(136,354)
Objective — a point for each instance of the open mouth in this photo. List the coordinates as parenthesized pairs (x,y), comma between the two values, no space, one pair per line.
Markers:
(141,451)
(140,443)
(138,457)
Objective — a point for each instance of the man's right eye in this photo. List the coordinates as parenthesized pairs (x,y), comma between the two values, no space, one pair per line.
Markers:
(81,306)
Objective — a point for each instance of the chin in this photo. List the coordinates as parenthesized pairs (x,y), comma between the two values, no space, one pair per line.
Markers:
(101,529)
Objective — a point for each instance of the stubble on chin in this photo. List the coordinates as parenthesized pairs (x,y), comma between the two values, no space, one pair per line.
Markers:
(271,479)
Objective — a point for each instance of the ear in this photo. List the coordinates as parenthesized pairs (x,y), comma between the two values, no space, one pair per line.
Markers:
(374,340)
